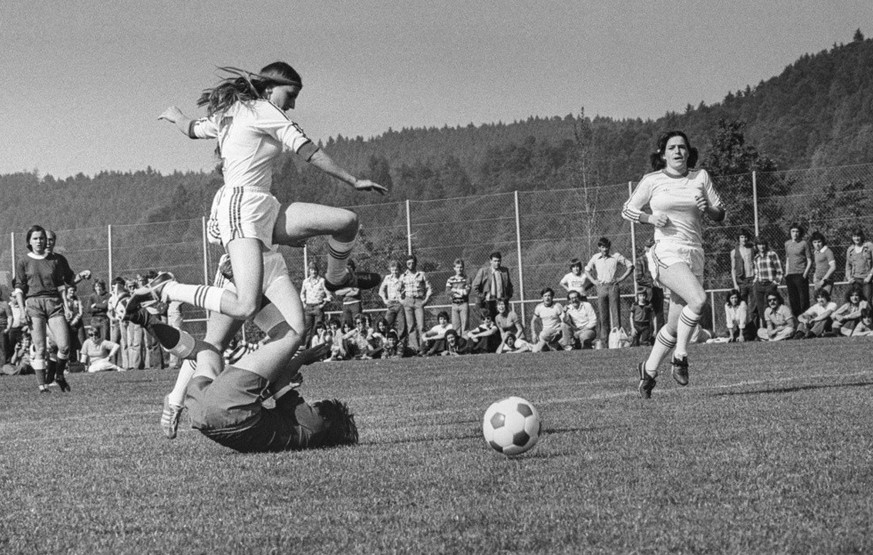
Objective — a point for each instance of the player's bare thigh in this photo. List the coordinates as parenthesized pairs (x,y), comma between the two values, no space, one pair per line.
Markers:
(299,221)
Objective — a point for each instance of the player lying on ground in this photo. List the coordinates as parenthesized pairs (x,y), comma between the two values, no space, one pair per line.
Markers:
(227,405)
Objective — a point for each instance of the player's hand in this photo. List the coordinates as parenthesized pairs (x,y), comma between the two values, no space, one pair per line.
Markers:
(367,185)
(172,114)
(658,220)
(85,274)
(702,205)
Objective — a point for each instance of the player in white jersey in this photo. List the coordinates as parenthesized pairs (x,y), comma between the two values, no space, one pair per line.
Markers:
(246,114)
(678,196)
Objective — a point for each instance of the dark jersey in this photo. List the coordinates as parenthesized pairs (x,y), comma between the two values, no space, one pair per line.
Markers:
(42,276)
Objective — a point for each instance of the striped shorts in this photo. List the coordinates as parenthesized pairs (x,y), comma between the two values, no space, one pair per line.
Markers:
(664,254)
(240,212)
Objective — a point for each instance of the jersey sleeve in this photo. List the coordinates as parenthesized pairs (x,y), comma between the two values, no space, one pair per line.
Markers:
(709,191)
(273,121)
(20,281)
(203,128)
(641,196)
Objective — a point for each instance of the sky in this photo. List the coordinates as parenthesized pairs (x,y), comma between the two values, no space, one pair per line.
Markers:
(84,80)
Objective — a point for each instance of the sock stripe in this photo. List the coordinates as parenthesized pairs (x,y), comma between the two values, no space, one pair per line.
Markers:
(689,320)
(666,340)
(337,254)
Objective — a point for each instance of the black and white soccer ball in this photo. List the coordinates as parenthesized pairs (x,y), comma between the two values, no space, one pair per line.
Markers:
(511,426)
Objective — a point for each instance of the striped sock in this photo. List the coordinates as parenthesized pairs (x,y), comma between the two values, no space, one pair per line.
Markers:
(664,343)
(337,255)
(201,296)
(688,321)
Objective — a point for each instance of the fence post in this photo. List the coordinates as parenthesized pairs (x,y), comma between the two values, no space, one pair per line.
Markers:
(630,192)
(712,308)
(518,253)
(408,230)
(755,200)
(12,251)
(205,250)
(305,260)
(109,252)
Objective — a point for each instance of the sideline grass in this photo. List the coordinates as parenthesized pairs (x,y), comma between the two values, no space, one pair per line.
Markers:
(768,450)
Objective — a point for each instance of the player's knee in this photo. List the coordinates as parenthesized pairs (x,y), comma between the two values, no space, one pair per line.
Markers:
(349,221)
(64,352)
(696,302)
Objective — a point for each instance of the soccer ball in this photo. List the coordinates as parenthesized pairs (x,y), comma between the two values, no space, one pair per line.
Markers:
(511,426)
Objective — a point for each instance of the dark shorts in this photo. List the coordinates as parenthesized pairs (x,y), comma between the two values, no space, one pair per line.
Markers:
(228,411)
(44,308)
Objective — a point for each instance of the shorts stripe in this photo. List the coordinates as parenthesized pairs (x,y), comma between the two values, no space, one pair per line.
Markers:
(236,213)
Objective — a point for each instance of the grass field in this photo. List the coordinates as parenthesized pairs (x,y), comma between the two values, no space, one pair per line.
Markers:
(768,450)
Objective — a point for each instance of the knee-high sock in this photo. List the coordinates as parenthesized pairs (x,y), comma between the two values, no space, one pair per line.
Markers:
(186,372)
(337,255)
(201,296)
(688,321)
(664,343)
(38,366)
(61,365)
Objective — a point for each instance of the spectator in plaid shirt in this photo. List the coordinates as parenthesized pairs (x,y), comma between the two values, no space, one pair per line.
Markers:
(314,296)
(391,291)
(768,273)
(418,293)
(459,288)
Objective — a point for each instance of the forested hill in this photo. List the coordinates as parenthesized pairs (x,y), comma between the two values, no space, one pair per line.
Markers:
(817,112)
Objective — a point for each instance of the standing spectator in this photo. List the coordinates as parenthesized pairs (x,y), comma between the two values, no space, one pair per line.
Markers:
(6,347)
(859,263)
(174,319)
(98,353)
(779,321)
(459,289)
(580,322)
(507,320)
(825,263)
(314,296)
(642,315)
(605,266)
(154,356)
(73,312)
(816,321)
(575,280)
(418,293)
(847,317)
(768,271)
(492,283)
(392,291)
(117,326)
(135,333)
(351,297)
(737,318)
(550,315)
(798,263)
(98,307)
(743,274)
(645,282)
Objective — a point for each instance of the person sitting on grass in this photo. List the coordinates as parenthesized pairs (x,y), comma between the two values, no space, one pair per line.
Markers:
(434,338)
(551,317)
(358,339)
(455,346)
(580,322)
(847,317)
(229,405)
(780,322)
(394,348)
(339,348)
(513,345)
(816,321)
(865,326)
(484,338)
(97,353)
(736,313)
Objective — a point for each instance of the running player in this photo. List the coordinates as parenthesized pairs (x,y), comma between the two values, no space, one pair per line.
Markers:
(678,196)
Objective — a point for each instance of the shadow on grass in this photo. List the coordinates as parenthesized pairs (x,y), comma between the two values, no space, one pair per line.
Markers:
(792,389)
(470,435)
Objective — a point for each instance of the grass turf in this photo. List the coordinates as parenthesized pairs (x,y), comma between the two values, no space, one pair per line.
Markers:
(768,450)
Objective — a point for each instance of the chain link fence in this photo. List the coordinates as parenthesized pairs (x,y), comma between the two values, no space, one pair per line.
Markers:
(537,232)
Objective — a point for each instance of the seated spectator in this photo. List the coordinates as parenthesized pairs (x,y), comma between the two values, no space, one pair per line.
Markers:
(551,316)
(394,348)
(317,335)
(580,322)
(848,316)
(434,338)
(377,338)
(22,355)
(642,315)
(865,326)
(816,321)
(511,344)
(338,349)
(485,338)
(455,346)
(507,321)
(97,353)
(357,340)
(737,316)
(778,319)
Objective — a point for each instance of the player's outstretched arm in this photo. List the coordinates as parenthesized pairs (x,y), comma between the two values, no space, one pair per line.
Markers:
(325,163)
(175,116)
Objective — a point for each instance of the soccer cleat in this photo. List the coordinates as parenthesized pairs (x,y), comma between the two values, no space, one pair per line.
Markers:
(170,417)
(44,389)
(147,295)
(680,370)
(647,382)
(62,383)
(350,280)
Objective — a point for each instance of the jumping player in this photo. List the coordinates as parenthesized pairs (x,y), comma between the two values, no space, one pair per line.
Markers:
(678,197)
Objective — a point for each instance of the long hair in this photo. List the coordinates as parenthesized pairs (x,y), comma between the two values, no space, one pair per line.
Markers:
(342,429)
(656,159)
(245,86)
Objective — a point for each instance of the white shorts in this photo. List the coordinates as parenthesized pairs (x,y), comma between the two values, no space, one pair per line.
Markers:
(664,254)
(240,212)
(275,270)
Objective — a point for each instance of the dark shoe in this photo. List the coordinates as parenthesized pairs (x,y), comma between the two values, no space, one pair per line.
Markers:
(680,370)
(647,382)
(44,389)
(350,280)
(62,383)
(799,335)
(147,295)
(170,417)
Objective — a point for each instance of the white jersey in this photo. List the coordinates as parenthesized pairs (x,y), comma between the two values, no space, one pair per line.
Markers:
(572,282)
(250,136)
(674,198)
